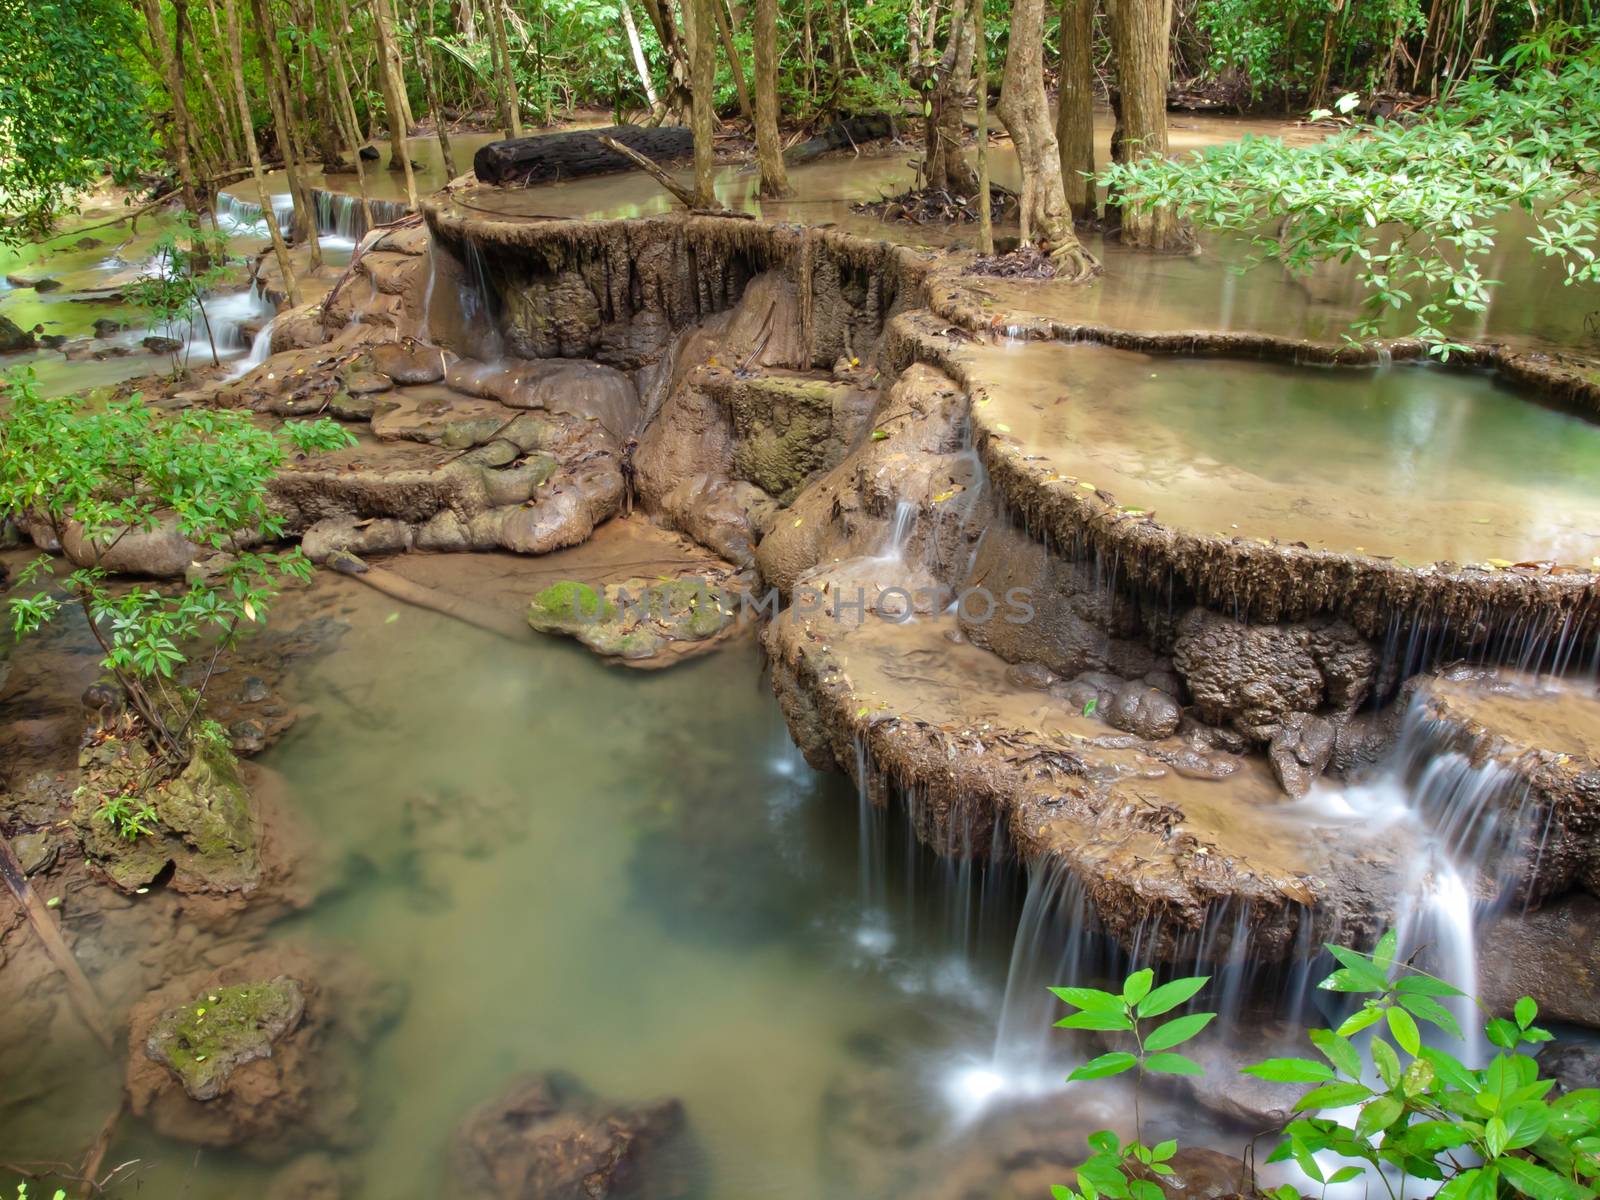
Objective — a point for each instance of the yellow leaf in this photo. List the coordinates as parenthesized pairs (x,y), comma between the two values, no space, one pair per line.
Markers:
(1003,428)
(1499,564)
(249,611)
(797,521)
(1086,485)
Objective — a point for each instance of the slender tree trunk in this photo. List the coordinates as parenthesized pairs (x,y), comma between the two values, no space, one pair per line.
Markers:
(1044,214)
(348,105)
(640,63)
(985,223)
(283,117)
(1139,33)
(508,77)
(291,286)
(171,67)
(678,99)
(769,150)
(944,161)
(836,52)
(1075,109)
(399,152)
(698,25)
(227,143)
(441,127)
(725,31)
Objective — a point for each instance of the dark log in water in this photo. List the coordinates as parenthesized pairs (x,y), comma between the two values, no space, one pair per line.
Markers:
(552,156)
(842,135)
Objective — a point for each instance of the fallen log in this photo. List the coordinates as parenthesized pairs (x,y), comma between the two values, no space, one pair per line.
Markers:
(842,135)
(79,989)
(548,157)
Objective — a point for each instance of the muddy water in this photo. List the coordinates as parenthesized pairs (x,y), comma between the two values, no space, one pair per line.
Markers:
(1420,463)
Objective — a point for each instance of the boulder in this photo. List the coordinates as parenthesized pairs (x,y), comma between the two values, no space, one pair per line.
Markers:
(161,552)
(1139,708)
(547,1138)
(157,344)
(204,1040)
(408,362)
(1575,1067)
(1300,751)
(359,536)
(200,821)
(1253,676)
(294,1031)
(1551,954)
(13,338)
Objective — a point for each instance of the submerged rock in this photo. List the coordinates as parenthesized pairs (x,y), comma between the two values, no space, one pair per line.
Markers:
(204,1040)
(548,1138)
(295,1031)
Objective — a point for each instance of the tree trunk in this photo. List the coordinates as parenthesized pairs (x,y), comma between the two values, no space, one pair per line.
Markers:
(291,286)
(347,105)
(399,152)
(1139,33)
(508,77)
(1044,215)
(227,142)
(985,224)
(725,32)
(441,127)
(769,149)
(702,81)
(678,100)
(1075,109)
(278,97)
(640,63)
(171,68)
(945,163)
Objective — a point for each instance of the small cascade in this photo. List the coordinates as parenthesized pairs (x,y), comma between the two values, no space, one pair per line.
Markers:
(260,351)
(244,218)
(480,309)
(905,517)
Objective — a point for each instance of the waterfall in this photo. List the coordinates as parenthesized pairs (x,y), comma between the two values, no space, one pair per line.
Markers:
(244,218)
(260,350)
(905,517)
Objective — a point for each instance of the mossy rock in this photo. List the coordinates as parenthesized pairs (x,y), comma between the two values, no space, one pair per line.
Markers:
(204,1041)
(633,620)
(203,824)
(566,606)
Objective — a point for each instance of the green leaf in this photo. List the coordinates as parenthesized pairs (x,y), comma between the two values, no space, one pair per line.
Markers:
(1525,1124)
(1333,1095)
(1176,1032)
(1362,1018)
(1169,995)
(1526,1010)
(1114,1063)
(1081,997)
(1378,1114)
(1386,1060)
(1168,1063)
(1137,986)
(1539,1183)
(1432,1011)
(1096,1019)
(1404,1029)
(1290,1070)
(1340,1051)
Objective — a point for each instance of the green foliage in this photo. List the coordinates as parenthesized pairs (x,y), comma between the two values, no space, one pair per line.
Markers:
(1278,45)
(130,816)
(70,109)
(101,473)
(1127,1170)
(1420,1112)
(1413,206)
(186,263)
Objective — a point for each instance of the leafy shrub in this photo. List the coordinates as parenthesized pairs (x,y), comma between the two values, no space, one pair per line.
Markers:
(104,472)
(1420,1112)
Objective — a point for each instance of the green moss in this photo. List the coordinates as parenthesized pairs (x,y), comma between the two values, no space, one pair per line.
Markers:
(568,603)
(202,1041)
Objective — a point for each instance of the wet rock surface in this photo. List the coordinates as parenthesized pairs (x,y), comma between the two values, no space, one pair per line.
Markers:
(296,1029)
(547,1138)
